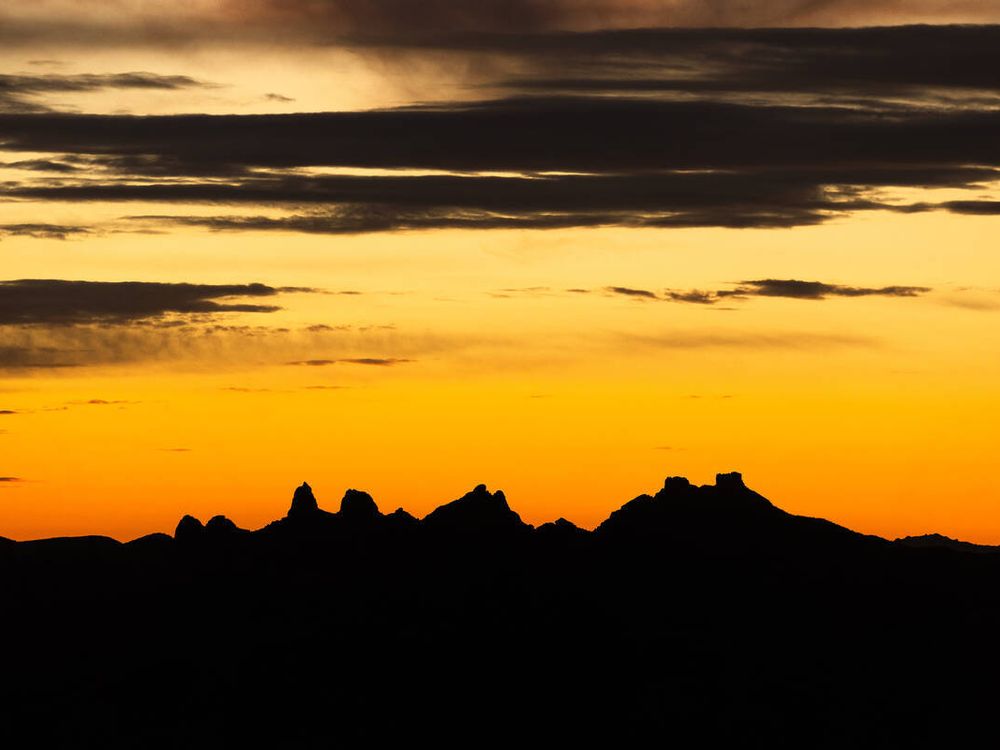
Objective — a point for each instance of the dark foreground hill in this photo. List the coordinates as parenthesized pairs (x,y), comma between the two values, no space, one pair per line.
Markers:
(692,617)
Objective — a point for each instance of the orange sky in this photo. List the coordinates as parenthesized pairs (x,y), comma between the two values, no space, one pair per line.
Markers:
(458,356)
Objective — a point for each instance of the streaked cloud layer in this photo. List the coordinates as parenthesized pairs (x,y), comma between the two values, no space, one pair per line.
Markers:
(683,128)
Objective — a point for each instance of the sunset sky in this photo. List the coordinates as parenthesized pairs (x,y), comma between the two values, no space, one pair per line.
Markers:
(563,248)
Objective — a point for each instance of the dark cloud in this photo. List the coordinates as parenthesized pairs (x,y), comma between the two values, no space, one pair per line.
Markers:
(314,362)
(919,62)
(635,163)
(694,296)
(21,93)
(818,290)
(741,128)
(844,145)
(43,231)
(6,412)
(629,292)
(60,302)
(41,165)
(278,98)
(972,208)
(322,327)
(95,82)
(358,219)
(376,361)
(789,288)
(733,198)
(10,479)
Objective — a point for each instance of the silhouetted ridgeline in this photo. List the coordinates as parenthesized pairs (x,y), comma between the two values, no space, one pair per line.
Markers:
(695,615)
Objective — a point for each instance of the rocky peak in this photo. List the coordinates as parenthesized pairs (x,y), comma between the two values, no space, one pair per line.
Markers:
(675,484)
(303,502)
(358,505)
(222,526)
(189,528)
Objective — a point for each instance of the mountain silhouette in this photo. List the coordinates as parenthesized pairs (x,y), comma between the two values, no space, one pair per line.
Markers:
(727,517)
(189,529)
(358,507)
(477,511)
(694,616)
(304,503)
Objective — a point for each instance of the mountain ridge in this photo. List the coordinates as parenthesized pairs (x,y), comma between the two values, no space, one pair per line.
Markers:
(679,508)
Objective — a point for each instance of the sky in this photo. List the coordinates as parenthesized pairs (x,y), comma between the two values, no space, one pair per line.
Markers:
(567,249)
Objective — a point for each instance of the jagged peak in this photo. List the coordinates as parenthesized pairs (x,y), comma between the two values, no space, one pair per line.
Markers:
(482,491)
(479,508)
